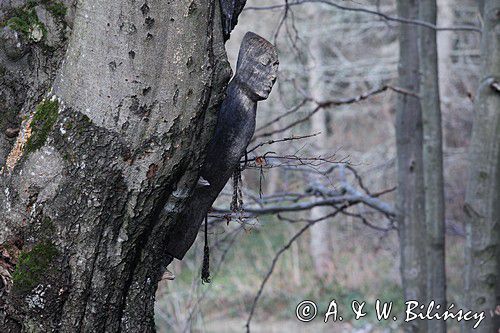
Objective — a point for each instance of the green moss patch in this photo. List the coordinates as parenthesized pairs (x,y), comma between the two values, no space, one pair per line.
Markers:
(58,9)
(32,266)
(44,119)
(26,22)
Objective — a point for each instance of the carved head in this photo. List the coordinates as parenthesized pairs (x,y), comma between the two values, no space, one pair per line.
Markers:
(257,66)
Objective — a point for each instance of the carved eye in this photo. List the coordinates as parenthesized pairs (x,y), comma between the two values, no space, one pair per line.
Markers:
(265,60)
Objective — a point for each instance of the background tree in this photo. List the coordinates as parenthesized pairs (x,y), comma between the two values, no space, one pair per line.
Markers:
(321,246)
(482,211)
(410,174)
(432,161)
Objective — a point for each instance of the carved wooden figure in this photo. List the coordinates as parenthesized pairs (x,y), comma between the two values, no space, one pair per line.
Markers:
(256,72)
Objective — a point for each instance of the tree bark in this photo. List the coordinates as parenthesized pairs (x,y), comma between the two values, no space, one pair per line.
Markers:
(116,121)
(433,162)
(409,137)
(482,210)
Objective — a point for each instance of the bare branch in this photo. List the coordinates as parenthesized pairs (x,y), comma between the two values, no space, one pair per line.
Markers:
(299,160)
(328,103)
(351,199)
(373,12)
(270,142)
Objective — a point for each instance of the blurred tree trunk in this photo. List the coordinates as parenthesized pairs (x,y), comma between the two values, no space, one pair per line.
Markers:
(409,137)
(433,162)
(320,245)
(482,208)
(445,17)
(113,123)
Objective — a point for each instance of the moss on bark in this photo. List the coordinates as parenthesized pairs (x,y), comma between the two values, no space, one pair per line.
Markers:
(57,9)
(43,121)
(32,265)
(26,22)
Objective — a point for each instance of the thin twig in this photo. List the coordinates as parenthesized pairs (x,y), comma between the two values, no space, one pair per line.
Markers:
(233,234)
(368,223)
(292,138)
(374,12)
(334,102)
(277,256)
(287,113)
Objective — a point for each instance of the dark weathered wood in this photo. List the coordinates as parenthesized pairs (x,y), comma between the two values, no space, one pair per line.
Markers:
(230,10)
(256,72)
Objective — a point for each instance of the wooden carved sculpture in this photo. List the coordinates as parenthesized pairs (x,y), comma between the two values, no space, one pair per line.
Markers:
(256,72)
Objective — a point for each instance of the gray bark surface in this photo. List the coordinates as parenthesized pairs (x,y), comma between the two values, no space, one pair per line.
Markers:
(116,104)
(432,162)
(409,137)
(482,209)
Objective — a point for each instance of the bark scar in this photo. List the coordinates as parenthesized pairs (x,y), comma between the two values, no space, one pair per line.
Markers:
(17,152)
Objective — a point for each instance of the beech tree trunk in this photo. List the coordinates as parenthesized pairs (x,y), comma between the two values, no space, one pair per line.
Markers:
(409,137)
(433,163)
(482,209)
(115,102)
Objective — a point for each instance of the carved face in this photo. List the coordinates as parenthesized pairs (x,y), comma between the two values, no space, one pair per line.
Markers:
(257,67)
